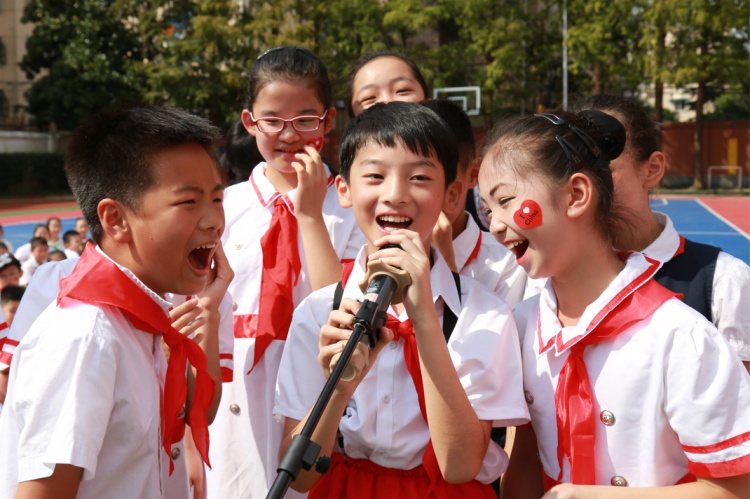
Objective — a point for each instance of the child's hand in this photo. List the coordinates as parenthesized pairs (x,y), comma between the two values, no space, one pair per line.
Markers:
(186,318)
(333,338)
(415,260)
(312,184)
(442,237)
(218,281)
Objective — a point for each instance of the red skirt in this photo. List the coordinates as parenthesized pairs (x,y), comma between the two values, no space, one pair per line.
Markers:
(363,479)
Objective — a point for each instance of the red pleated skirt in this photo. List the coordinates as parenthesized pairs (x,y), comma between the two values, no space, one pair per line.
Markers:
(363,479)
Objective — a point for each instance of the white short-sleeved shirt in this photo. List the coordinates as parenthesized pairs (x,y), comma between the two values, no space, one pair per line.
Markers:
(479,256)
(27,270)
(245,438)
(730,300)
(679,397)
(85,389)
(43,290)
(23,252)
(383,422)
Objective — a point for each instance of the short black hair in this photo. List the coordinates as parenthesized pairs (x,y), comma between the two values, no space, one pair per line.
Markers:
(11,293)
(460,124)
(110,155)
(377,54)
(68,235)
(38,241)
(419,129)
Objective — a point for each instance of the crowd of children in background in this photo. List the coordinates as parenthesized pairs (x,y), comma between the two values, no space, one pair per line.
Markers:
(539,293)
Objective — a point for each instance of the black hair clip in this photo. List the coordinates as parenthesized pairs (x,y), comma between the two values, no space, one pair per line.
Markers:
(567,147)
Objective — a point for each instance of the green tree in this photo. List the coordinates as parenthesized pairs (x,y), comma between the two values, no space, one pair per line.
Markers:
(80,55)
(710,51)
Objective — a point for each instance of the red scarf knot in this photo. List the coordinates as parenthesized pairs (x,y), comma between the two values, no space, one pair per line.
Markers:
(281,269)
(99,281)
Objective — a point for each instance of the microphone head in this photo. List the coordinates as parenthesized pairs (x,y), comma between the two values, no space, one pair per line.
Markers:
(377,268)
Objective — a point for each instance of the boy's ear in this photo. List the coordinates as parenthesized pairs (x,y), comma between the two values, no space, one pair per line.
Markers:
(345,199)
(330,118)
(453,197)
(247,122)
(114,220)
(580,195)
(654,169)
(474,173)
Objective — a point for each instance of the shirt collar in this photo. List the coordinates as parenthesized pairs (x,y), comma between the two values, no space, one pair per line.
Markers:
(164,304)
(464,244)
(550,333)
(267,193)
(441,281)
(666,245)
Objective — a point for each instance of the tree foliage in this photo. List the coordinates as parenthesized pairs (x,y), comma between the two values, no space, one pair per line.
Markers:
(89,54)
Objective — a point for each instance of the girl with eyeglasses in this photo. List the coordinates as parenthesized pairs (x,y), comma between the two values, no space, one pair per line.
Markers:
(631,392)
(286,235)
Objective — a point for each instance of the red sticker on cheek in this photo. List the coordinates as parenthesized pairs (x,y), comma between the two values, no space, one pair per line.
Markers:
(529,215)
(316,143)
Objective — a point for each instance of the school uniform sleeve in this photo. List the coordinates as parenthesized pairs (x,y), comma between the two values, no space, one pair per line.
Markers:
(707,400)
(729,303)
(487,357)
(41,291)
(63,414)
(300,377)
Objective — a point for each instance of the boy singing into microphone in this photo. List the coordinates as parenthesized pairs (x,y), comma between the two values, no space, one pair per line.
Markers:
(418,417)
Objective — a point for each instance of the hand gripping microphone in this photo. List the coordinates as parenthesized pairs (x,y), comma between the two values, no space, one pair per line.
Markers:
(382,285)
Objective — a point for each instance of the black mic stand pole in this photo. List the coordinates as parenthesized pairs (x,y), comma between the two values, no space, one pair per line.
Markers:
(303,452)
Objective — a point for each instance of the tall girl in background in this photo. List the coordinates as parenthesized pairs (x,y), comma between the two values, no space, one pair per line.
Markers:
(715,283)
(285,235)
(54,226)
(625,384)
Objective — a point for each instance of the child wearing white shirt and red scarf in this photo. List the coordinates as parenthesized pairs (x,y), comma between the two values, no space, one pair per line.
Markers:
(626,385)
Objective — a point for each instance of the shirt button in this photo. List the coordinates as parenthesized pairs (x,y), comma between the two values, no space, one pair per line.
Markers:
(618,481)
(528,396)
(234,409)
(392,345)
(175,453)
(387,399)
(607,418)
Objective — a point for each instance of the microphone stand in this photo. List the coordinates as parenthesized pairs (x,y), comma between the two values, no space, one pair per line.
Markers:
(303,452)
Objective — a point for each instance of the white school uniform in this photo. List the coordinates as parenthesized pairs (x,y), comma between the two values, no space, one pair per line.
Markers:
(383,422)
(43,290)
(85,389)
(730,298)
(245,438)
(27,270)
(23,252)
(670,396)
(69,253)
(478,255)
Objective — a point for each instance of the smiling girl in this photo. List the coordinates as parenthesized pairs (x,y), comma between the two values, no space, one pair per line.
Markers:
(626,385)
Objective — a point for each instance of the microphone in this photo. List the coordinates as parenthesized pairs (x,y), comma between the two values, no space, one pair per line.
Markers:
(382,285)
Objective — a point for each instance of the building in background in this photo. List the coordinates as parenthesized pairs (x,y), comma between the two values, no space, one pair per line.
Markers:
(13,82)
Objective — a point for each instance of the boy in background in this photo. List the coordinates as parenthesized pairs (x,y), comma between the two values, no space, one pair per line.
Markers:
(73,244)
(39,252)
(466,248)
(147,183)
(10,297)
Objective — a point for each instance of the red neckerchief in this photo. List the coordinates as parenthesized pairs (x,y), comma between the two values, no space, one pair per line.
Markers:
(439,488)
(574,397)
(475,252)
(281,269)
(98,280)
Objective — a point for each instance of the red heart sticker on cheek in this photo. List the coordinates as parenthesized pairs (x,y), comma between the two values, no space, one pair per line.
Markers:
(316,143)
(529,215)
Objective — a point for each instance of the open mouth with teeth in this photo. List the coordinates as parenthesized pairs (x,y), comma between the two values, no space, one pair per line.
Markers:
(200,257)
(393,222)
(518,247)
